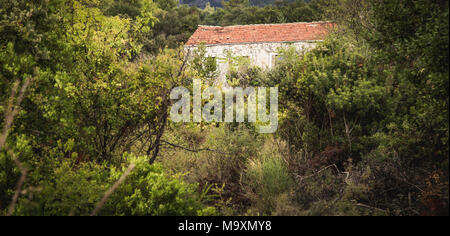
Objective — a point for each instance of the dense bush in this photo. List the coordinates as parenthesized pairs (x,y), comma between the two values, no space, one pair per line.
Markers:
(150,191)
(266,179)
(218,156)
(75,189)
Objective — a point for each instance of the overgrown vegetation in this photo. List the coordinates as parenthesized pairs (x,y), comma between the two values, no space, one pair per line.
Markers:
(85,107)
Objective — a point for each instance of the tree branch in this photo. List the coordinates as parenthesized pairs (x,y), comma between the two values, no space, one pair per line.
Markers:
(19,184)
(13,109)
(320,171)
(112,189)
(194,150)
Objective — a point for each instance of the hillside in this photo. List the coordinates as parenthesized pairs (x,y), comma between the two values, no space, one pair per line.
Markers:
(152,108)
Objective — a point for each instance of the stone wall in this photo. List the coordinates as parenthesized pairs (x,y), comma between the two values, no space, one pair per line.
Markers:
(260,54)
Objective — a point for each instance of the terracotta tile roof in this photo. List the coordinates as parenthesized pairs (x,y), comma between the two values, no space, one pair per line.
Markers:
(291,32)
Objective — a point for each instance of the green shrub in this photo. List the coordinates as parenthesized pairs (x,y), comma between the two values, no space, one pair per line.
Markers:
(151,192)
(267,178)
(223,163)
(75,189)
(69,190)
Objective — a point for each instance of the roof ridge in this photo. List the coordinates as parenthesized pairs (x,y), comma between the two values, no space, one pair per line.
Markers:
(291,23)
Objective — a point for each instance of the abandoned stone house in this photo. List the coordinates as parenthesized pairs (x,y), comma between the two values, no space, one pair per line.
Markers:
(258,43)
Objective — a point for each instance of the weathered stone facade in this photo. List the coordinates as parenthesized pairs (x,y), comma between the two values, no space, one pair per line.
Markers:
(262,55)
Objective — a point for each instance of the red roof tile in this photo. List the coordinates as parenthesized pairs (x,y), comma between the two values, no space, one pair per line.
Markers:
(291,32)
